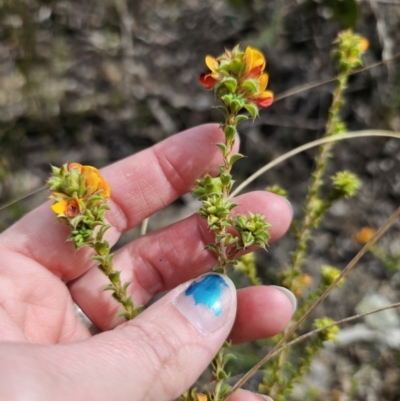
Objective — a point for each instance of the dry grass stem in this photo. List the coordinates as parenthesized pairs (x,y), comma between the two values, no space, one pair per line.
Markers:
(309,145)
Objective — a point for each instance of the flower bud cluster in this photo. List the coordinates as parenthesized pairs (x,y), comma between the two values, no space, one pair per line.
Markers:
(247,264)
(252,230)
(350,48)
(345,184)
(329,274)
(330,334)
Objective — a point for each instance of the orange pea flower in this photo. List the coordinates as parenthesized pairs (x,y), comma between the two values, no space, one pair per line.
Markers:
(255,62)
(93,179)
(364,235)
(242,66)
(364,44)
(209,80)
(68,207)
(263,98)
(72,189)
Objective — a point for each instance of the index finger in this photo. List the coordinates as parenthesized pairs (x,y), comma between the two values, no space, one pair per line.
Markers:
(141,185)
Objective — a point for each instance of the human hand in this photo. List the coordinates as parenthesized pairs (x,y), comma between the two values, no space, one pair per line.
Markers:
(47,353)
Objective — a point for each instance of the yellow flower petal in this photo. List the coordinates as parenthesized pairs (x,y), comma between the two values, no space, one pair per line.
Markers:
(92,180)
(263,82)
(248,57)
(89,169)
(211,63)
(105,188)
(60,207)
(364,44)
(74,165)
(254,59)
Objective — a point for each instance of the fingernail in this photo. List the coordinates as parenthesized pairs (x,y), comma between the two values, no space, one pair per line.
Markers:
(206,302)
(289,294)
(289,204)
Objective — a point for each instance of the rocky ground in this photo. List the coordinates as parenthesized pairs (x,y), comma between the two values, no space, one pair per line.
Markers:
(96,81)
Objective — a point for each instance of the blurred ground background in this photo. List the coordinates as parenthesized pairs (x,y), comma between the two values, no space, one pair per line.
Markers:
(97,80)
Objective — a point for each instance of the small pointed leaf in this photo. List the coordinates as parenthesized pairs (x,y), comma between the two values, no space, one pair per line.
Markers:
(238,119)
(235,157)
(230,83)
(222,147)
(252,109)
(223,110)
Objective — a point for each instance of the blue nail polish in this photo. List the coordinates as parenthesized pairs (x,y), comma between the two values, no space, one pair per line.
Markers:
(206,302)
(208,291)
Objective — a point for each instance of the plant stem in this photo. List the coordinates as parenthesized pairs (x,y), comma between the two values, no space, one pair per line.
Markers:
(225,169)
(310,216)
(119,290)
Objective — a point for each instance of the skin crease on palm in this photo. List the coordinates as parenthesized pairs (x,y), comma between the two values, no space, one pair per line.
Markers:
(47,353)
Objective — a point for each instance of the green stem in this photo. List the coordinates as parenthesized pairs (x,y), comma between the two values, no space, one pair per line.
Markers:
(223,257)
(310,215)
(219,374)
(118,289)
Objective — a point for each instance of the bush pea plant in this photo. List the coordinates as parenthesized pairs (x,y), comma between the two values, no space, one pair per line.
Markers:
(239,81)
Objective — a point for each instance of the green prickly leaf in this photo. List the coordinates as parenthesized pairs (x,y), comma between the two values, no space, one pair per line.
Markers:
(137,310)
(125,287)
(251,85)
(102,248)
(222,375)
(115,277)
(235,157)
(109,287)
(224,390)
(124,314)
(227,99)
(211,247)
(128,303)
(252,109)
(223,110)
(223,148)
(236,105)
(239,118)
(236,66)
(225,178)
(228,357)
(230,83)
(230,132)
(55,170)
(109,259)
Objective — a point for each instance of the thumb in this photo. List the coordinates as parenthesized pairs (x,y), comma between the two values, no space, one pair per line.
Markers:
(154,357)
(181,334)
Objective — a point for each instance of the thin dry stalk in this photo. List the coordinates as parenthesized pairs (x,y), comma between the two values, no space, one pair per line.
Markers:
(309,145)
(339,322)
(312,85)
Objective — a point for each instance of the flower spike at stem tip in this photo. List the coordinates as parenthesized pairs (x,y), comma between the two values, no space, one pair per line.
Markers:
(240,83)
(80,195)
